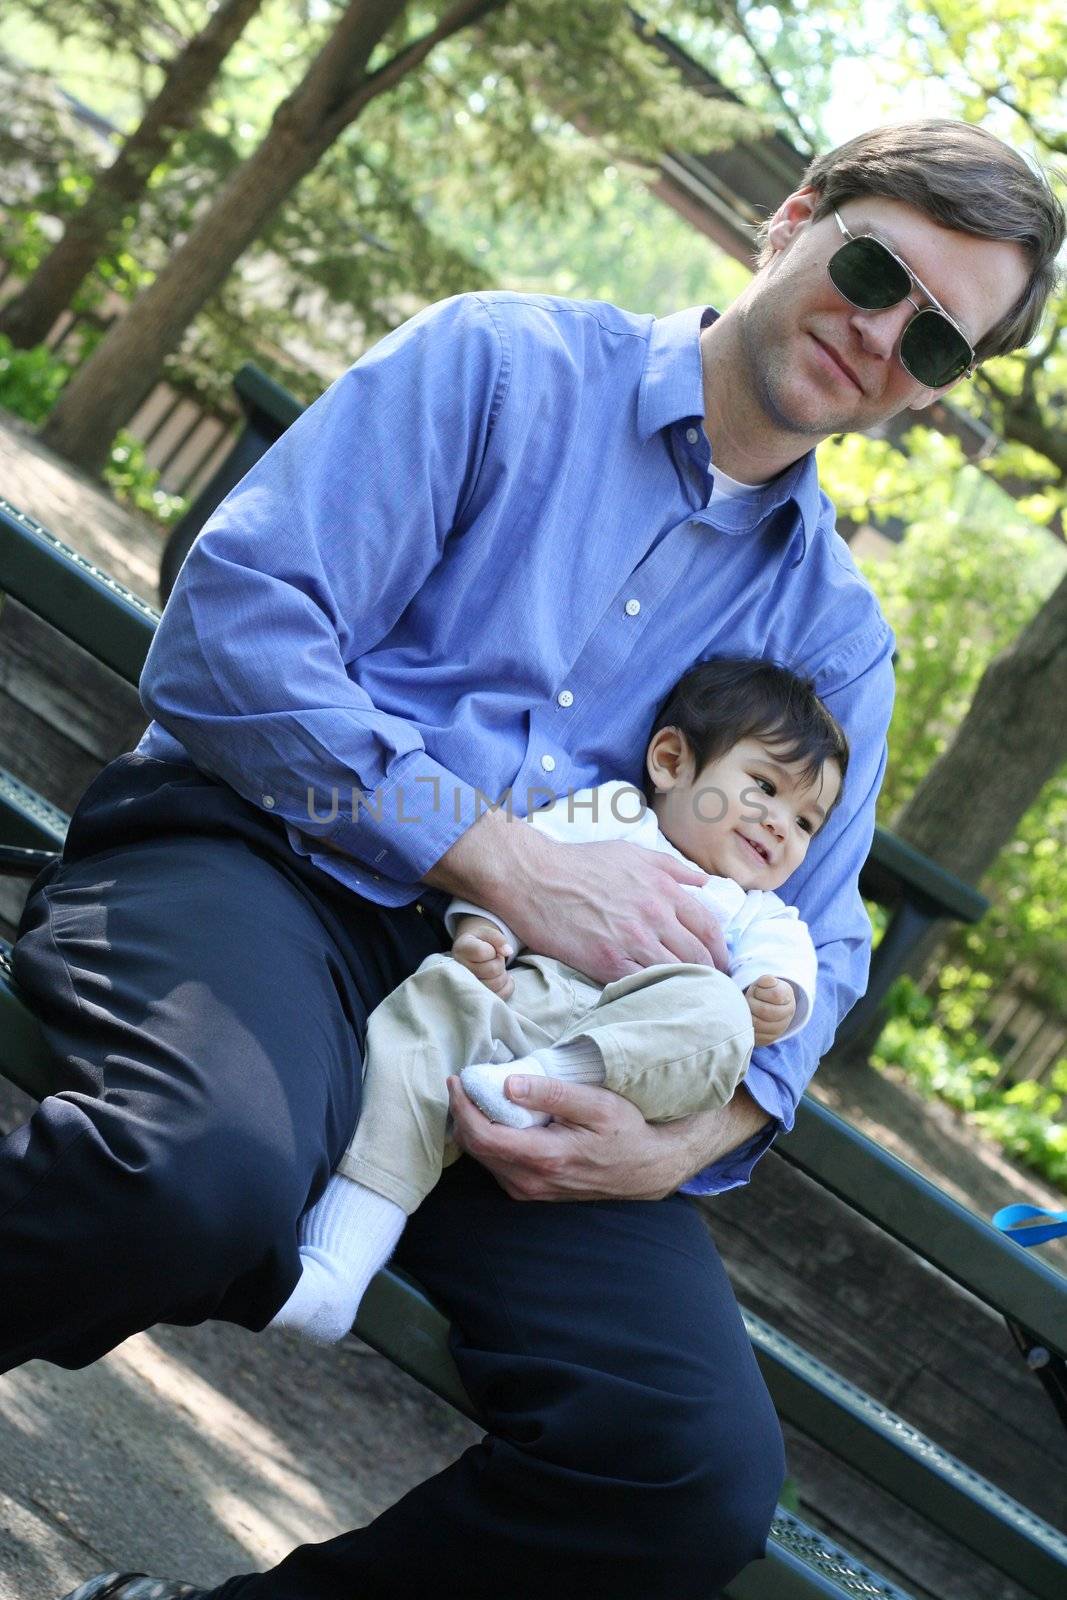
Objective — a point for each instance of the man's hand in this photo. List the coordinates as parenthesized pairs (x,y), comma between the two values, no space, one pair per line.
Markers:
(598,1146)
(480,946)
(605,909)
(773,1006)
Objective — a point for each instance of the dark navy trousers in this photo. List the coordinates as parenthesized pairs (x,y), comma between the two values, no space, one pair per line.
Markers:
(205,993)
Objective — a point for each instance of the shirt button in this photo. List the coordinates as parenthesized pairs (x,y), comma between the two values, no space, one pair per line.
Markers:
(632,607)
(548,763)
(268,801)
(565,698)
(692,435)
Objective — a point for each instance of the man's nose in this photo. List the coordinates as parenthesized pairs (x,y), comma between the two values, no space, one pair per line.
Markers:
(880,331)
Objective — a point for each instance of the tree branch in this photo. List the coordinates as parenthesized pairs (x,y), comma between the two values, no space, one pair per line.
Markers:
(1035,363)
(1003,395)
(1054,142)
(398,66)
(740,27)
(1058,143)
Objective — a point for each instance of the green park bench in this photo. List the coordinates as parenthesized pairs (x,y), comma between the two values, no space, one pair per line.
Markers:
(397,1318)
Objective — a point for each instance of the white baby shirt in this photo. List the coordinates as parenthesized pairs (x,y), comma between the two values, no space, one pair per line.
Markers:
(763,935)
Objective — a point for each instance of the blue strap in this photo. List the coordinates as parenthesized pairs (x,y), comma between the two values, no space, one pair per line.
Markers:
(1029,1225)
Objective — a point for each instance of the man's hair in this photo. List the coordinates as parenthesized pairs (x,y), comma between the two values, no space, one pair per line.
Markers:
(964,178)
(730,698)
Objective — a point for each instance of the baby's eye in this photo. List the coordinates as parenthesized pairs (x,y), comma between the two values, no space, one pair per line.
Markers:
(804,823)
(765,784)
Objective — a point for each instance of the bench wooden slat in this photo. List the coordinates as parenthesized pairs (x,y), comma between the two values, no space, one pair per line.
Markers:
(890,1452)
(892,1194)
(83,602)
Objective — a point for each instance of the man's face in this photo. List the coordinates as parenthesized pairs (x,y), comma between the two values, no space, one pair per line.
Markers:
(823,366)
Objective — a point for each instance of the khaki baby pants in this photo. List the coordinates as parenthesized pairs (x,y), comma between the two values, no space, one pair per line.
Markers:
(674,1039)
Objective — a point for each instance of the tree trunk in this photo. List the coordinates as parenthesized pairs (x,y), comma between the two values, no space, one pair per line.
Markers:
(28,318)
(126,365)
(1011,742)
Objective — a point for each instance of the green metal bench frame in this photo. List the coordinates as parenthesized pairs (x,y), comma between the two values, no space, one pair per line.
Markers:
(397,1319)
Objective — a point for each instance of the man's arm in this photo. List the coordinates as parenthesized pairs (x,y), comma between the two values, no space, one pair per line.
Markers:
(598,1145)
(606,909)
(303,569)
(605,1149)
(825,890)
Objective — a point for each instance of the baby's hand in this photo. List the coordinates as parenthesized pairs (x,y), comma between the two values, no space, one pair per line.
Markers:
(481,947)
(772,1004)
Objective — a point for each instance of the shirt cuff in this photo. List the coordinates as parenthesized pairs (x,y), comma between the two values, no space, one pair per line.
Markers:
(408,823)
(735,1169)
(743,976)
(467,908)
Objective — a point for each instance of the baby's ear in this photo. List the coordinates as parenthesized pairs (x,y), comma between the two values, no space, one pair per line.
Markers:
(664,757)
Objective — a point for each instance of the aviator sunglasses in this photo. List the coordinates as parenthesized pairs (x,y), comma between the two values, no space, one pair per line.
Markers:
(932,348)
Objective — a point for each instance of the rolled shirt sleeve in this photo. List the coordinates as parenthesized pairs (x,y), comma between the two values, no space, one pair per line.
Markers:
(826,894)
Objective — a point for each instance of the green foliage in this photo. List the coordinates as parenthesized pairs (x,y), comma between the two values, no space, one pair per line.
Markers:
(46,159)
(615,242)
(971,571)
(949,1063)
(790,1496)
(30,381)
(968,576)
(780,59)
(483,140)
(137,484)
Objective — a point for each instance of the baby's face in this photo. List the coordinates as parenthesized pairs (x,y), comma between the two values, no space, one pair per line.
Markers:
(748,815)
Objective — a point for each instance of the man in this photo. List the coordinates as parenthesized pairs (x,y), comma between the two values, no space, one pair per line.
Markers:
(476,565)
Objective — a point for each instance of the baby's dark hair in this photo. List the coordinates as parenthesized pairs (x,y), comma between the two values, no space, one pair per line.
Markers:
(730,698)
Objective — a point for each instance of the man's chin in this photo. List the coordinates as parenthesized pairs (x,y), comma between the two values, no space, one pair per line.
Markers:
(806,419)
(792,404)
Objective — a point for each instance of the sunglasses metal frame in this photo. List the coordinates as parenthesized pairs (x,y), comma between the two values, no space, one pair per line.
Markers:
(916,282)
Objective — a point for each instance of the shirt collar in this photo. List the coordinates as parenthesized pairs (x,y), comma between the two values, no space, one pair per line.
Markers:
(672,385)
(672,390)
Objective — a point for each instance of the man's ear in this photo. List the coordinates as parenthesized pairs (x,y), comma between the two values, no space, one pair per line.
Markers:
(792,217)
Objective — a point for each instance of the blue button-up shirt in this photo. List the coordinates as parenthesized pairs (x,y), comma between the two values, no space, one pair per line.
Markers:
(476,566)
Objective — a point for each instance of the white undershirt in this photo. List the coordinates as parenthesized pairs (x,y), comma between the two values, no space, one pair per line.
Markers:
(726,488)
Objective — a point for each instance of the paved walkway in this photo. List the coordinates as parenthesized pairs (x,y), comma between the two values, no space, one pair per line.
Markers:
(78,511)
(203,1452)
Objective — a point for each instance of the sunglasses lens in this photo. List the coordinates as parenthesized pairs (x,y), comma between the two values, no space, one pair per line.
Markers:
(869,276)
(865,273)
(933,351)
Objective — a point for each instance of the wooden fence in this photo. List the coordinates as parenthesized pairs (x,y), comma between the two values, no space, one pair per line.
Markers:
(184,435)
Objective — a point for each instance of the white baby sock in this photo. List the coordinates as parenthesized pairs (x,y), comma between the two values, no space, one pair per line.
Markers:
(347,1236)
(579,1061)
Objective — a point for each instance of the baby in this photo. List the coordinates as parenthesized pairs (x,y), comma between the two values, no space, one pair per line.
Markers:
(743,767)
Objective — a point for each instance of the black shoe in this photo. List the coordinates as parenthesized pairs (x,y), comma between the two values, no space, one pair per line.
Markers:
(132,1586)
